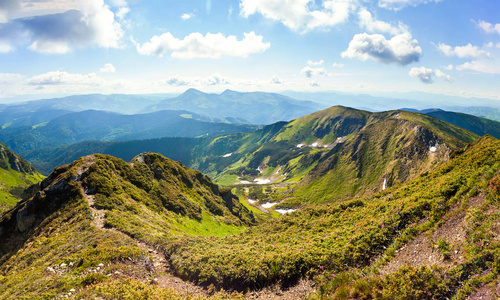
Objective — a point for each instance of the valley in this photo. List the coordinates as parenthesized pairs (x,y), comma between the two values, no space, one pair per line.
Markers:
(304,208)
(249,149)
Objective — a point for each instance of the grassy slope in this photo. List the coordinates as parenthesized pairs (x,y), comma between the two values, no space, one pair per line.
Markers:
(152,199)
(348,236)
(15,175)
(478,125)
(340,239)
(392,146)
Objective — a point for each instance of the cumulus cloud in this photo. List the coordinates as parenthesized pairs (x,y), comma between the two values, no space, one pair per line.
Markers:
(370,24)
(312,72)
(186,16)
(108,68)
(300,15)
(400,4)
(402,49)
(467,51)
(488,27)
(275,80)
(176,81)
(337,65)
(195,45)
(480,66)
(425,75)
(315,63)
(61,32)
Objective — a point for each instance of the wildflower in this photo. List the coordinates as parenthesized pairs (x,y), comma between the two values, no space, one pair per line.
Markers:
(321,267)
(333,275)
(382,226)
(445,276)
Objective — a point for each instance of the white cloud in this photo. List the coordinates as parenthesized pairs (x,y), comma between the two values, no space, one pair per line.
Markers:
(93,23)
(402,49)
(176,81)
(312,72)
(212,80)
(313,84)
(400,4)
(367,22)
(230,12)
(275,80)
(122,12)
(195,45)
(186,16)
(337,65)
(442,75)
(467,51)
(425,74)
(315,63)
(480,66)
(488,27)
(5,47)
(108,68)
(449,67)
(58,78)
(300,15)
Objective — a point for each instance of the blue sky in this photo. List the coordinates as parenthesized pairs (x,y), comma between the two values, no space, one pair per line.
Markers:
(62,47)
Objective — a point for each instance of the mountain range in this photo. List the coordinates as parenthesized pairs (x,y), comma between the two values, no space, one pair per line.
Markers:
(101,227)
(107,126)
(339,203)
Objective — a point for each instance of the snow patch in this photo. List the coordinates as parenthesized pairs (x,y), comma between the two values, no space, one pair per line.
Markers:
(300,145)
(258,169)
(245,182)
(285,211)
(261,181)
(315,144)
(384,186)
(432,149)
(252,201)
(269,204)
(227,155)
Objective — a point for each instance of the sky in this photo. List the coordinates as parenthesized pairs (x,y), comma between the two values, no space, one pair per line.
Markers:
(52,48)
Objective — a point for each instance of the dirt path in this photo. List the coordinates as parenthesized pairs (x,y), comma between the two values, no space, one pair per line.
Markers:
(164,276)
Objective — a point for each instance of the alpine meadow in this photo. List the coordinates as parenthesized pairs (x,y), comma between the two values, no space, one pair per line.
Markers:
(250,149)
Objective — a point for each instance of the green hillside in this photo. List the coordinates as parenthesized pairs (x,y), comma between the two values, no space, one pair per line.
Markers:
(102,210)
(16,174)
(100,227)
(336,153)
(477,125)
